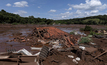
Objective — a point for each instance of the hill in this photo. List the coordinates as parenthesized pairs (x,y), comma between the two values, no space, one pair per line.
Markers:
(10,18)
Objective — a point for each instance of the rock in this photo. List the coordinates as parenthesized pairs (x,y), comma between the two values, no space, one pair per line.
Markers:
(74,60)
(82,47)
(70,56)
(78,59)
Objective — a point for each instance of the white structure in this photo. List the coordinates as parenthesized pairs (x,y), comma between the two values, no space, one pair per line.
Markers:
(24,51)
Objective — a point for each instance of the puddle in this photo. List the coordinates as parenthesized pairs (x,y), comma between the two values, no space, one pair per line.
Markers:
(4,39)
(12,42)
(5,36)
(25,32)
(68,30)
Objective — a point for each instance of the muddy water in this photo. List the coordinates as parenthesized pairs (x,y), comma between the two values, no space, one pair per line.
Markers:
(6,46)
(68,30)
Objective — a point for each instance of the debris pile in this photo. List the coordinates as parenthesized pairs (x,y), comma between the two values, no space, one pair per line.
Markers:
(49,33)
(56,47)
(73,56)
(46,35)
(52,33)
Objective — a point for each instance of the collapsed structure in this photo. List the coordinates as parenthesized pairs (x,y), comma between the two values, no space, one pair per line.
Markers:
(46,35)
(60,48)
(52,33)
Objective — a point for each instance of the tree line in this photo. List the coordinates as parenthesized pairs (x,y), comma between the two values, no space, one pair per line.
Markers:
(10,18)
(92,20)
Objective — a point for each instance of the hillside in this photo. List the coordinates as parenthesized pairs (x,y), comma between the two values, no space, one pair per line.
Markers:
(10,18)
(92,20)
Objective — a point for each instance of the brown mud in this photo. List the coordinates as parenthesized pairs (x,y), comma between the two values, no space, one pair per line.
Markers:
(15,37)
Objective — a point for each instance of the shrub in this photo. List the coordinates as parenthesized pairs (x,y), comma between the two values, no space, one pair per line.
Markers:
(15,23)
(72,33)
(85,40)
(89,36)
(82,29)
(93,33)
(88,28)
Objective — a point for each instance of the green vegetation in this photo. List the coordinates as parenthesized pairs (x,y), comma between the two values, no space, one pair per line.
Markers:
(94,33)
(89,36)
(15,19)
(15,23)
(72,33)
(87,28)
(85,40)
(92,20)
(81,29)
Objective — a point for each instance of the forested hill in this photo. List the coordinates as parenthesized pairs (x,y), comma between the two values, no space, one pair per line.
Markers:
(92,20)
(11,18)
(6,17)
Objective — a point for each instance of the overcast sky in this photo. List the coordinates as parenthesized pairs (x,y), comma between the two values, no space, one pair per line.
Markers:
(55,9)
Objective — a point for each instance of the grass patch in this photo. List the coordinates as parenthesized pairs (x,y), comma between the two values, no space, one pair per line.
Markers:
(85,40)
(72,33)
(14,23)
(94,33)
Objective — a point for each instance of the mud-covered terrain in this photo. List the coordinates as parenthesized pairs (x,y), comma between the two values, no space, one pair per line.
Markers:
(16,37)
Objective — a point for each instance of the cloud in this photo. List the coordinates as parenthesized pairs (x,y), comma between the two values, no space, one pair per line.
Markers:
(103,7)
(8,4)
(90,5)
(70,8)
(94,11)
(52,10)
(78,12)
(20,12)
(21,4)
(64,15)
(81,13)
(38,7)
(94,3)
(89,8)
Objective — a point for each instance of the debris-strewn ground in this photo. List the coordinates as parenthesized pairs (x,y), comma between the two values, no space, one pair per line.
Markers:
(47,34)
(63,47)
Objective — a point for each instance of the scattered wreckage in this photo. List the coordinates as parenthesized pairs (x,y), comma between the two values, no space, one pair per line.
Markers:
(56,47)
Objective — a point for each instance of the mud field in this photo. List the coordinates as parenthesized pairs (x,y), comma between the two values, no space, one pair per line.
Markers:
(13,38)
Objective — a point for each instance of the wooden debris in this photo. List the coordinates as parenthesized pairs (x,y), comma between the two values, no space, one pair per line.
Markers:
(100,54)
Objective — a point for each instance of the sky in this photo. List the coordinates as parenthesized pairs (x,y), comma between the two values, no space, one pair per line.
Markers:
(55,9)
